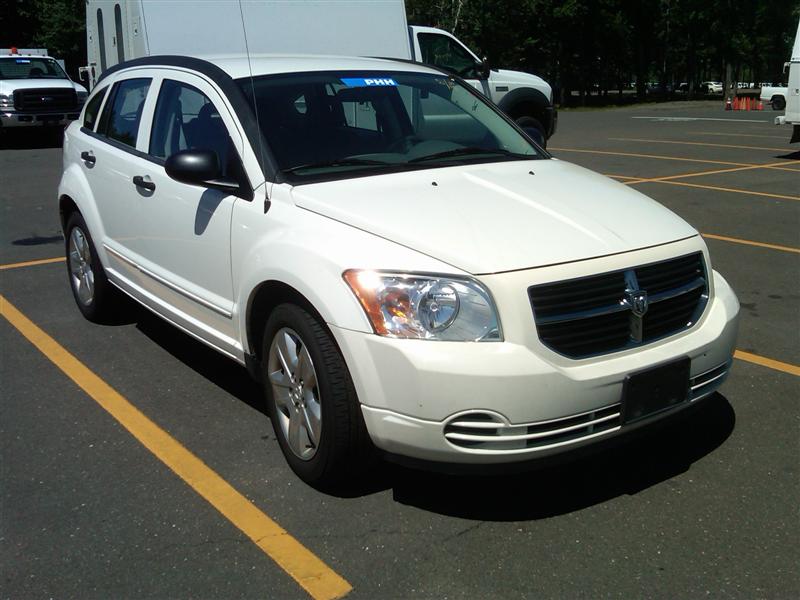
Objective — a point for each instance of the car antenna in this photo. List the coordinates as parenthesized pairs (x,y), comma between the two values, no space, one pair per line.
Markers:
(267,202)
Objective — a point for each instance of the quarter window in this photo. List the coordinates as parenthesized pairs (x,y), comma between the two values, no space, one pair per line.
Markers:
(186,119)
(120,120)
(93,108)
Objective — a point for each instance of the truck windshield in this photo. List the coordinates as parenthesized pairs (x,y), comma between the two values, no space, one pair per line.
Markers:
(24,67)
(333,125)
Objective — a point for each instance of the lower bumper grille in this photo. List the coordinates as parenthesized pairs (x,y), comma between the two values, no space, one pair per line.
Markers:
(485,431)
(705,383)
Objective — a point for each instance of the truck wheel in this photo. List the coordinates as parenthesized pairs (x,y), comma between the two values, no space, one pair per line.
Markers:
(778,103)
(528,123)
(311,400)
(95,296)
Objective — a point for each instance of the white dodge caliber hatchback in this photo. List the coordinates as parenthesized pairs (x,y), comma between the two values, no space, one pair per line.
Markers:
(399,264)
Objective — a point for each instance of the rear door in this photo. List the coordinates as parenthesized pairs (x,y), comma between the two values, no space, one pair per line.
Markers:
(110,158)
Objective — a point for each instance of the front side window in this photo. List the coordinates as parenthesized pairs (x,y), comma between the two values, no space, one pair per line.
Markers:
(328,125)
(93,109)
(24,67)
(444,52)
(186,119)
(123,112)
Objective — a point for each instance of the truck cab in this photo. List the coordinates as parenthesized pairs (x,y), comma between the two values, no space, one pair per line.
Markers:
(526,98)
(35,91)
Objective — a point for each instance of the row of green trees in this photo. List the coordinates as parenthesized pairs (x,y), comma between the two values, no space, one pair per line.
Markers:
(597,46)
(581,46)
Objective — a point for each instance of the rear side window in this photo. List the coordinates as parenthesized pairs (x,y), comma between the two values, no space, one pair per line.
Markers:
(93,109)
(186,119)
(123,111)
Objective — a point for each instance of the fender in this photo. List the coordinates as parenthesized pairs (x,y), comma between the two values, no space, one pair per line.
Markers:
(75,185)
(308,252)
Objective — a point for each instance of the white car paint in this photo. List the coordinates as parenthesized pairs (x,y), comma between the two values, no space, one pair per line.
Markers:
(509,225)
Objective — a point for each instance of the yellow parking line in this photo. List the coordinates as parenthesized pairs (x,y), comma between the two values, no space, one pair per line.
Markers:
(682,159)
(784,149)
(767,362)
(656,156)
(714,172)
(32,263)
(724,189)
(319,580)
(723,238)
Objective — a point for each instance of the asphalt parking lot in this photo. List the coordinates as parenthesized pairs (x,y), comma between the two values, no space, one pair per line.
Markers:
(101,428)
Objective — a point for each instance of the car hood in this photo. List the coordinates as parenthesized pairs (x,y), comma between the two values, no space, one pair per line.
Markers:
(497,217)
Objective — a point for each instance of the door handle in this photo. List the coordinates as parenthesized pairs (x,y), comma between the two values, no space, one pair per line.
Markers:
(139,181)
(88,157)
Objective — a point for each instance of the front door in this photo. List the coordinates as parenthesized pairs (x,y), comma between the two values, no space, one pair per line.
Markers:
(184,241)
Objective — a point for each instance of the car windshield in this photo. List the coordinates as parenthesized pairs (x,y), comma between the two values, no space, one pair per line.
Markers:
(25,67)
(332,125)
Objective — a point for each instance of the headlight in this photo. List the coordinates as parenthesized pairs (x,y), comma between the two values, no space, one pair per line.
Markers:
(426,307)
(6,100)
(82,96)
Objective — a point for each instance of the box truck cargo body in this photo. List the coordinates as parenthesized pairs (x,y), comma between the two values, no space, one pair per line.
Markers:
(119,30)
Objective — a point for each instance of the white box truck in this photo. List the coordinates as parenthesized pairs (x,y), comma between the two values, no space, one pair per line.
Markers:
(792,114)
(119,30)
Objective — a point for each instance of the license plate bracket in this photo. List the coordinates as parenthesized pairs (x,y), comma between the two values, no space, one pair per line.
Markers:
(649,392)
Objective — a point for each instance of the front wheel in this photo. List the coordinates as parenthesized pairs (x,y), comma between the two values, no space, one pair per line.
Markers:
(778,103)
(533,128)
(311,400)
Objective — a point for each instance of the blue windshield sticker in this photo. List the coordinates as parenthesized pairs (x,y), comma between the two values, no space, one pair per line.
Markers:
(23,61)
(369,82)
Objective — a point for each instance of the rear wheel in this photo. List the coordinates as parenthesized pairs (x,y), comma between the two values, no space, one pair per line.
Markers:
(93,294)
(311,400)
(778,103)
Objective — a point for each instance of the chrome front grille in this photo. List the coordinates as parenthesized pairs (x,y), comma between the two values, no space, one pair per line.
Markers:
(45,100)
(621,309)
(486,431)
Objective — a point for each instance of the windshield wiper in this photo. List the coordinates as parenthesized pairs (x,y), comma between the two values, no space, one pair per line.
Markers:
(468,151)
(342,162)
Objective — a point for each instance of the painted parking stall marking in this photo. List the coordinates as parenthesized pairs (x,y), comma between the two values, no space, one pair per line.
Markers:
(313,575)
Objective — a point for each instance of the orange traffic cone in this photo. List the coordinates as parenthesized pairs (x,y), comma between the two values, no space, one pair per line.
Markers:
(736,103)
(760,105)
(728,105)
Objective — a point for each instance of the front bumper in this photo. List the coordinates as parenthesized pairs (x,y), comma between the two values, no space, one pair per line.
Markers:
(431,401)
(23,119)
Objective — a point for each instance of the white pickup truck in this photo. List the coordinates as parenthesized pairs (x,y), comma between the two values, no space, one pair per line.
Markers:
(118,31)
(35,91)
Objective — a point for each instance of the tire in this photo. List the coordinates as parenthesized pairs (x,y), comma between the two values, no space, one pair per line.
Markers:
(526,122)
(778,103)
(319,427)
(95,296)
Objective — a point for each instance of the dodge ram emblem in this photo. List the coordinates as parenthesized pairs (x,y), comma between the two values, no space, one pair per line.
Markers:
(637,300)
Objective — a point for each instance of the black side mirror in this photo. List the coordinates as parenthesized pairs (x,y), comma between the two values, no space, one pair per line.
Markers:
(484,68)
(198,167)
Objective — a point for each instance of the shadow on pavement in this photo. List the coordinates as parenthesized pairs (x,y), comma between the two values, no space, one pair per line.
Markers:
(652,457)
(646,458)
(31,138)
(222,372)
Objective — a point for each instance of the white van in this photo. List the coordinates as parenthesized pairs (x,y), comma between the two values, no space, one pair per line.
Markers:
(792,115)
(117,31)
